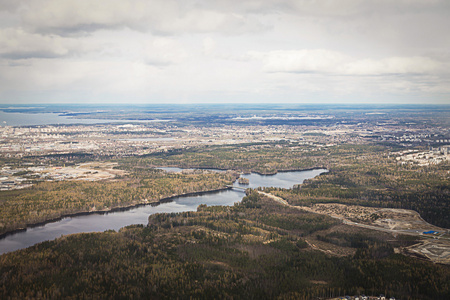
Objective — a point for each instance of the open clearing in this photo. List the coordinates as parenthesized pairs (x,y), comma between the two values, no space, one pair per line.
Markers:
(435,245)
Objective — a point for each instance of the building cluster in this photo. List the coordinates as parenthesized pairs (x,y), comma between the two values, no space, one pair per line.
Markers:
(134,139)
(424,158)
(141,139)
(9,180)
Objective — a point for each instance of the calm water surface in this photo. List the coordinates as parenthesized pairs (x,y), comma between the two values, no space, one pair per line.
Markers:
(27,119)
(282,180)
(139,215)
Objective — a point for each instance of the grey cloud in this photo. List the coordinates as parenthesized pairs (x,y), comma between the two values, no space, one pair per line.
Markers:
(10,5)
(18,44)
(177,17)
(160,17)
(172,48)
(327,8)
(364,8)
(333,62)
(164,52)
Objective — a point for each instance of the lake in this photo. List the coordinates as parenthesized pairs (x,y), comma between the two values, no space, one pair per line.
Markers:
(139,215)
(29,119)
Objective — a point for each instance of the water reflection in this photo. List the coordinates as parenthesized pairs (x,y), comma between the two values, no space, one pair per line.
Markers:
(139,215)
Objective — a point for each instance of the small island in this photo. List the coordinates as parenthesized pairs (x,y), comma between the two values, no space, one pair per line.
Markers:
(243,180)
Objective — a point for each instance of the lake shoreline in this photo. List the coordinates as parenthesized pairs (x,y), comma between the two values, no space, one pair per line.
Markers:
(241,172)
(110,210)
(290,170)
(155,203)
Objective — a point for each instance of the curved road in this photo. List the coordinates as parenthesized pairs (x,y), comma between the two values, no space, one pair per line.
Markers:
(413,232)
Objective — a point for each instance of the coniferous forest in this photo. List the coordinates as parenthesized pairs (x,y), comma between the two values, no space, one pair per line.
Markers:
(255,249)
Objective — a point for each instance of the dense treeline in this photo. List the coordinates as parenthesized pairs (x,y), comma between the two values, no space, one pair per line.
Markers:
(255,249)
(379,182)
(264,158)
(49,200)
(359,174)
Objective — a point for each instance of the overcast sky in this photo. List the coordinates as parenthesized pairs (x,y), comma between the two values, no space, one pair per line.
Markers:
(225,51)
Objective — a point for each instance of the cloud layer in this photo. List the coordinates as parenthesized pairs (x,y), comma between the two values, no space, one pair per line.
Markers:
(224,51)
(331,62)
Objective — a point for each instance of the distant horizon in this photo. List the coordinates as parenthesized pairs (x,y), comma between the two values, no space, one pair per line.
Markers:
(115,104)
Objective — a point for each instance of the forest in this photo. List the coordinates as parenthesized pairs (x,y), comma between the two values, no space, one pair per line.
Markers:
(48,200)
(366,174)
(256,249)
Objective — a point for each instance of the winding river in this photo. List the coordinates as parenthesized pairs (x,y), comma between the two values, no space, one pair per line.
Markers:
(139,215)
